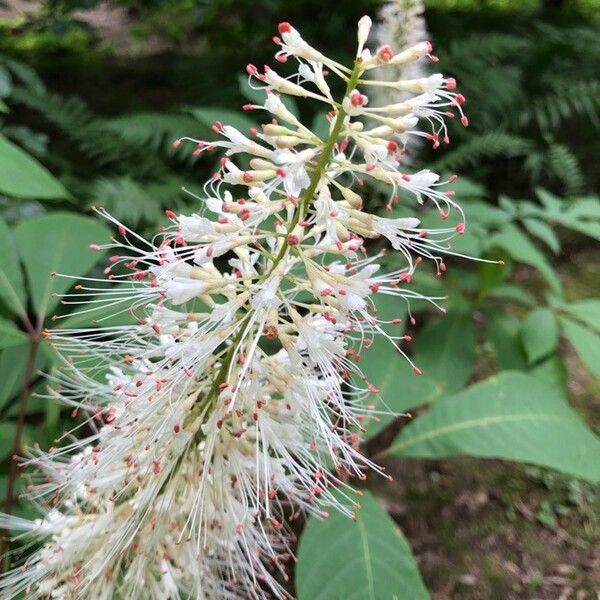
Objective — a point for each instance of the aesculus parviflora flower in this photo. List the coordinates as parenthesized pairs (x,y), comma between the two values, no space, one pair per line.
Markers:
(235,402)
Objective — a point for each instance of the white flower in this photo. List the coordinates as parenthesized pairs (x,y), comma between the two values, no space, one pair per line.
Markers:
(182,289)
(199,434)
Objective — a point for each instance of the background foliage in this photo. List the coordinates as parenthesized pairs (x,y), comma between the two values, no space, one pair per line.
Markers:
(87,116)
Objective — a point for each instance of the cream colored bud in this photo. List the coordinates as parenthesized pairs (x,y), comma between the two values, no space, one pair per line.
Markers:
(274,130)
(260,164)
(353,199)
(364,27)
(287,141)
(342,233)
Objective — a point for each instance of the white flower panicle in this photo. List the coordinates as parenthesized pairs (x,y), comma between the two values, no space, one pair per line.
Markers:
(235,401)
(403,22)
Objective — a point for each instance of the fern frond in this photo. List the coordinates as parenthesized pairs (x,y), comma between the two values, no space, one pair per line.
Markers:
(487,145)
(156,131)
(549,111)
(134,203)
(89,133)
(565,167)
(491,49)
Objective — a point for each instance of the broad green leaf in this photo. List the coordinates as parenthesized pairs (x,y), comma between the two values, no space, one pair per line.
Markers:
(445,350)
(399,388)
(587,311)
(514,292)
(57,243)
(10,334)
(543,232)
(465,188)
(7,435)
(7,438)
(490,276)
(21,176)
(539,333)
(481,212)
(520,248)
(472,242)
(320,125)
(104,315)
(585,342)
(12,290)
(388,309)
(36,404)
(511,416)
(554,372)
(365,559)
(13,361)
(504,331)
(255,96)
(388,371)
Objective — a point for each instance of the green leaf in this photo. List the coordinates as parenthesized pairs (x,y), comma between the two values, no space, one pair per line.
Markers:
(399,388)
(508,205)
(465,188)
(491,276)
(320,125)
(57,243)
(589,228)
(513,241)
(481,212)
(7,438)
(587,311)
(365,559)
(514,292)
(504,331)
(388,371)
(554,372)
(552,203)
(7,435)
(13,362)
(585,342)
(10,335)
(581,216)
(104,315)
(389,308)
(12,291)
(588,207)
(255,96)
(445,350)
(539,333)
(21,176)
(512,416)
(543,232)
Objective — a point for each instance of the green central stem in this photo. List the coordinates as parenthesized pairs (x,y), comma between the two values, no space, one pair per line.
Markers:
(303,204)
(316,176)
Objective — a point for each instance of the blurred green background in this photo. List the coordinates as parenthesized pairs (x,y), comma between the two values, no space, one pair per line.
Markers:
(92,95)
